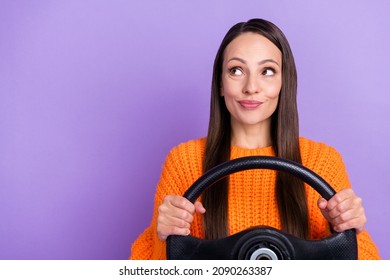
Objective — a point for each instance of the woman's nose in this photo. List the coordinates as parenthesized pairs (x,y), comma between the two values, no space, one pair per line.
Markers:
(252,85)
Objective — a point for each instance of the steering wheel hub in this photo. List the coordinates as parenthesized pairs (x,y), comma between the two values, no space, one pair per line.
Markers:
(264,243)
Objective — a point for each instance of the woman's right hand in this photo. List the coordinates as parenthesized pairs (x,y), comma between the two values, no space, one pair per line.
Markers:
(175,215)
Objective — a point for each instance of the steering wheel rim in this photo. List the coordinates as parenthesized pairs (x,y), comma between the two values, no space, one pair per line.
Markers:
(178,246)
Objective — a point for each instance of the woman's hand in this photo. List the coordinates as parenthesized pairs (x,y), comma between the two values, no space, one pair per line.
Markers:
(344,211)
(175,215)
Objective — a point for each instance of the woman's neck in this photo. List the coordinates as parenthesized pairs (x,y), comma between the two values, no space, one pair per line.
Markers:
(251,136)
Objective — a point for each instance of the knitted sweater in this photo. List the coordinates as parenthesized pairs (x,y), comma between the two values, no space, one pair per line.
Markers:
(251,194)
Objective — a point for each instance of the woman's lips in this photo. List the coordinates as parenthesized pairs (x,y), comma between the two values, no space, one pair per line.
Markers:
(249,104)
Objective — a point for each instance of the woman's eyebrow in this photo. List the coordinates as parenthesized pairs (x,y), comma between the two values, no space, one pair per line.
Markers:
(260,62)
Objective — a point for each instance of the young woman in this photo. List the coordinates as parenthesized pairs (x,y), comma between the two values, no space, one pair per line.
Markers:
(253,112)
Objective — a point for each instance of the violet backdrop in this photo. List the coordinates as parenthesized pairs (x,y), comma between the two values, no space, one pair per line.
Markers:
(94,94)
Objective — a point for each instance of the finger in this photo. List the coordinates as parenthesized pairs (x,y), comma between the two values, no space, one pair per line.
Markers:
(170,221)
(353,223)
(164,231)
(168,225)
(322,203)
(199,207)
(339,197)
(168,210)
(354,218)
(353,204)
(182,203)
(177,206)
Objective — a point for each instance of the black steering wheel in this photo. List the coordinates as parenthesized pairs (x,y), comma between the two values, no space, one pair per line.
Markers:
(262,242)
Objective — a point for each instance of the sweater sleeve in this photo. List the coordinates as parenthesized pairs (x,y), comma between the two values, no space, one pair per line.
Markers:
(148,246)
(174,179)
(367,249)
(328,163)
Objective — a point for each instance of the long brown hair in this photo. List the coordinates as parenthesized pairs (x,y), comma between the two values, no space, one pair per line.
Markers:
(290,192)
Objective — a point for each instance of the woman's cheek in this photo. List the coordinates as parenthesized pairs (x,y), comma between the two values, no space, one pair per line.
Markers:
(273,91)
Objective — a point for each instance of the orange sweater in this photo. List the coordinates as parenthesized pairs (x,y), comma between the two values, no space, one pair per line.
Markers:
(251,194)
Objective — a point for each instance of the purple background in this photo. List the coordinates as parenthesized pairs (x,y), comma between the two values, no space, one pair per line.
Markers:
(93,94)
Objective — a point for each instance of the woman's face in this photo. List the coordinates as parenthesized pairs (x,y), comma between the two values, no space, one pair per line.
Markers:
(251,79)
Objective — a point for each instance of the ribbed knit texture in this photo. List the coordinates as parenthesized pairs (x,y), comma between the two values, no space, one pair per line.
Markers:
(251,194)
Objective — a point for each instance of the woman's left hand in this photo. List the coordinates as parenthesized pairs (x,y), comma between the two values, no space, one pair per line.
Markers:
(344,211)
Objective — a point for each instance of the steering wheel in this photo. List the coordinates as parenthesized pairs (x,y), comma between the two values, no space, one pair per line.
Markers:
(262,242)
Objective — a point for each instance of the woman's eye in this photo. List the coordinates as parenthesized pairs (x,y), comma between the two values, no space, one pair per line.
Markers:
(268,72)
(236,71)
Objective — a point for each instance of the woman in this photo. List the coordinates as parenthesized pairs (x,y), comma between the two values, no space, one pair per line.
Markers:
(253,112)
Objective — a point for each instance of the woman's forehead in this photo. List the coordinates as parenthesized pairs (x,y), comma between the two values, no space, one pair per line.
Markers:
(252,46)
